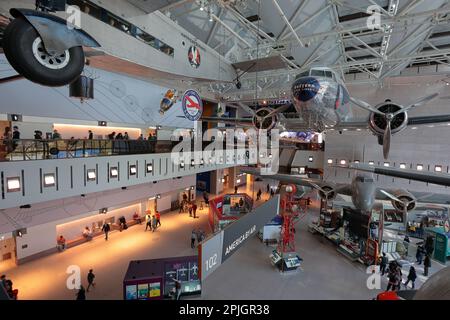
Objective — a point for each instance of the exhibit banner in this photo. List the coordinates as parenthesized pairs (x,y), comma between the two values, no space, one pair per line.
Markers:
(210,253)
(237,233)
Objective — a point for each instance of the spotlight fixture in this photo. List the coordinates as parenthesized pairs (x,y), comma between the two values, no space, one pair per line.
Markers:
(182,164)
(133,170)
(311,159)
(402,165)
(113,172)
(103,210)
(49,180)
(149,168)
(158,196)
(91,175)
(192,163)
(13,184)
(102,124)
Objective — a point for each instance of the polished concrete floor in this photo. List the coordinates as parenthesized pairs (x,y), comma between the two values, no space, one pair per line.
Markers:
(248,274)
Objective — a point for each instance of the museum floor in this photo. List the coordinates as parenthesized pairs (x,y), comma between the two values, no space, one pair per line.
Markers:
(248,274)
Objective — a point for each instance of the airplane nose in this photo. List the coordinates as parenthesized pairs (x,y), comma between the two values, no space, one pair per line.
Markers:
(305,89)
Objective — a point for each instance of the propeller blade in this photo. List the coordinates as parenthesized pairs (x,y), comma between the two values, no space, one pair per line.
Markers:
(418,103)
(246,108)
(391,196)
(278,110)
(387,140)
(364,105)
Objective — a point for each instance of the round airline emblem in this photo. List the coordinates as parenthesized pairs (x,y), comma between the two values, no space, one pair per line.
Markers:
(194,57)
(192,105)
(305,89)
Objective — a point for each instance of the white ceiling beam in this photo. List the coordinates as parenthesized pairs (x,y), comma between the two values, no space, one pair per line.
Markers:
(308,20)
(234,33)
(374,52)
(294,16)
(286,21)
(410,6)
(214,28)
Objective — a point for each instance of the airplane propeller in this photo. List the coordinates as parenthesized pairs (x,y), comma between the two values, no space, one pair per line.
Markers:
(390,116)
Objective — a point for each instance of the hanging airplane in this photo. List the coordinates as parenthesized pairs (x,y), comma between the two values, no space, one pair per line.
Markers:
(362,190)
(322,103)
(438,178)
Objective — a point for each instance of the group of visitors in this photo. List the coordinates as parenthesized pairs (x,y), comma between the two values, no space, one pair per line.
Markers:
(197,235)
(189,206)
(7,286)
(152,222)
(81,293)
(118,136)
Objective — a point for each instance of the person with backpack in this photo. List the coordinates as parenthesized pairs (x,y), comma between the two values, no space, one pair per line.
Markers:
(412,276)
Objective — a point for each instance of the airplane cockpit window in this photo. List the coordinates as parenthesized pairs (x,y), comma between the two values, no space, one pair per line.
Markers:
(329,74)
(317,73)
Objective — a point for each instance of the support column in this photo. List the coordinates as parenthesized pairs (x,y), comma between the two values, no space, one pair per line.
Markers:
(216,182)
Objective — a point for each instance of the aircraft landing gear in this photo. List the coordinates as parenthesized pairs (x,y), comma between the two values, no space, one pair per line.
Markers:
(26,52)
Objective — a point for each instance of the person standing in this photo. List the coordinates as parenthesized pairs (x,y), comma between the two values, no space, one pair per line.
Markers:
(426,265)
(383,263)
(268,188)
(158,219)
(148,221)
(81,294)
(419,255)
(193,238)
(154,222)
(235,189)
(56,135)
(411,277)
(90,279)
(61,241)
(16,133)
(91,135)
(258,195)
(194,210)
(190,209)
(406,244)
(126,136)
(106,228)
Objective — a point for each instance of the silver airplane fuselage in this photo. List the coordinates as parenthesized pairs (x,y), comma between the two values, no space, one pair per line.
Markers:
(321,102)
(363,191)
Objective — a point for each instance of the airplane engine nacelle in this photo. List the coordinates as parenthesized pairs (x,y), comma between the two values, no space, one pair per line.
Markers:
(327,192)
(406,198)
(261,121)
(378,123)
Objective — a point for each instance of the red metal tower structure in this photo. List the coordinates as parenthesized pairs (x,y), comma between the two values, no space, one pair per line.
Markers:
(292,211)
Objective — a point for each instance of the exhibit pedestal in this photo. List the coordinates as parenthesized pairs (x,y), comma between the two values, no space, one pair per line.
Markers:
(285,262)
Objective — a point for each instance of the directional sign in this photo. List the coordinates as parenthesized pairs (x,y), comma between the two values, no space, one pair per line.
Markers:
(192,105)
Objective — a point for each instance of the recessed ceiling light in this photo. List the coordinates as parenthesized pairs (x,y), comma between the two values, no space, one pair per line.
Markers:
(49,180)
(13,184)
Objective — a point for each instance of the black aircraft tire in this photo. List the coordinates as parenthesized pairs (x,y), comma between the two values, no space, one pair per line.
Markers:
(19,39)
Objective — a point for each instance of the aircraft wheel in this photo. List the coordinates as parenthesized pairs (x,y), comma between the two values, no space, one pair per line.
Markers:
(26,53)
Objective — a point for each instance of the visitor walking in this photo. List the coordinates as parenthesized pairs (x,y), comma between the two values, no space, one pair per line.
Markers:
(90,279)
(194,210)
(148,221)
(411,277)
(158,219)
(383,264)
(154,222)
(106,228)
(190,209)
(258,195)
(235,190)
(268,188)
(419,254)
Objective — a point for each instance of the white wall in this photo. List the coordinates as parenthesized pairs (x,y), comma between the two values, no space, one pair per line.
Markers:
(164,203)
(43,220)
(74,229)
(301,159)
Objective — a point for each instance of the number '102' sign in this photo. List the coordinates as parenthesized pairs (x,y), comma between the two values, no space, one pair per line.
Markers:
(210,255)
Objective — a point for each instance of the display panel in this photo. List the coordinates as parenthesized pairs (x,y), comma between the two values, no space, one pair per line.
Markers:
(131,292)
(155,289)
(143,291)
(187,272)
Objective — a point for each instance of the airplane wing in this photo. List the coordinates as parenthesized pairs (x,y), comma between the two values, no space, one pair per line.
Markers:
(241,122)
(299,180)
(422,197)
(442,179)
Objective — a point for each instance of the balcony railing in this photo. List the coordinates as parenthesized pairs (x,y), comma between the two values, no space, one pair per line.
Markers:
(21,150)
